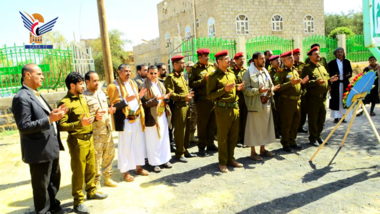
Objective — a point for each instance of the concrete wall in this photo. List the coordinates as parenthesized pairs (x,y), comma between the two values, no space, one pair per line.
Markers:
(7,121)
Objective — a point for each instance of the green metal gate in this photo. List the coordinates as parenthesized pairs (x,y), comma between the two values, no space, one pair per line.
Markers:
(54,63)
(276,44)
(356,51)
(327,45)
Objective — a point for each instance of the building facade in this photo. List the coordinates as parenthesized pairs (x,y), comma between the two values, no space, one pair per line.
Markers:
(229,19)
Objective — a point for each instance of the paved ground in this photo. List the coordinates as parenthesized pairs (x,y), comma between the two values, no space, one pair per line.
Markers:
(286,183)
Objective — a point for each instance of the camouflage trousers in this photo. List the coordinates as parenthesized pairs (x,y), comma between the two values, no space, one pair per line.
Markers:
(104,153)
(193,116)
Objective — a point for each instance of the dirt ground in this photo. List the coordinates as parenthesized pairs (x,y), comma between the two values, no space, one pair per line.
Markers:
(286,183)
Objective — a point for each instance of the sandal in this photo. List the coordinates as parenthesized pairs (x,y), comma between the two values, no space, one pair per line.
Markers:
(168,165)
(256,157)
(128,177)
(157,169)
(142,172)
(267,153)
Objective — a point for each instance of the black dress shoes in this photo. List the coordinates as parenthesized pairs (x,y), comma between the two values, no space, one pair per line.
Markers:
(336,120)
(320,141)
(190,155)
(287,149)
(202,152)
(212,148)
(314,143)
(296,147)
(302,130)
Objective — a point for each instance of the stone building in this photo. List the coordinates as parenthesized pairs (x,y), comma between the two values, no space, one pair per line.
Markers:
(229,19)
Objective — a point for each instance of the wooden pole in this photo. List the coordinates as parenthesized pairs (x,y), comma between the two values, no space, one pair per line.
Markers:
(332,132)
(370,121)
(107,59)
(351,122)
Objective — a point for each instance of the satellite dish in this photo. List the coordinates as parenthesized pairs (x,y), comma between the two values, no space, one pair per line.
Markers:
(363,85)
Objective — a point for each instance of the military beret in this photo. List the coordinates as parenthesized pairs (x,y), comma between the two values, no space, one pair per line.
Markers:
(274,57)
(222,53)
(316,48)
(177,58)
(296,51)
(237,55)
(203,51)
(287,53)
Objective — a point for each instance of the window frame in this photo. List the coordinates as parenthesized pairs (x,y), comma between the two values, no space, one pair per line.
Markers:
(277,24)
(242,23)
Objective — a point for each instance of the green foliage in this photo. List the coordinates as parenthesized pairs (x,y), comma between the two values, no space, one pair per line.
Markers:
(341,30)
(56,39)
(352,20)
(118,54)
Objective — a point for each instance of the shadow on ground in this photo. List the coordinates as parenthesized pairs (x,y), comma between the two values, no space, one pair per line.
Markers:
(297,200)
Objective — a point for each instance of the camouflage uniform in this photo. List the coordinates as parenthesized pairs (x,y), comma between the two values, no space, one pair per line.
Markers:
(103,142)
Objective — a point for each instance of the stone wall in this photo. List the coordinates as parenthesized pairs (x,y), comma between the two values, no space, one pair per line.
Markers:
(7,121)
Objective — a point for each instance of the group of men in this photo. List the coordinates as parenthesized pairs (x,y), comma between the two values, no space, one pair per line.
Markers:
(215,89)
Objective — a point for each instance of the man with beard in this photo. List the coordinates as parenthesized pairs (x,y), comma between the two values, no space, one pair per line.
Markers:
(267,54)
(40,139)
(142,71)
(289,101)
(129,121)
(221,89)
(176,84)
(316,91)
(239,70)
(103,142)
(78,123)
(198,77)
(162,72)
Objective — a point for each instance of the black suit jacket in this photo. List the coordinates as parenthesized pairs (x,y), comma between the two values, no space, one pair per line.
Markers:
(39,142)
(333,69)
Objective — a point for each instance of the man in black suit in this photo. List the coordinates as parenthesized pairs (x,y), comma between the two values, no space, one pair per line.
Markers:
(342,68)
(40,140)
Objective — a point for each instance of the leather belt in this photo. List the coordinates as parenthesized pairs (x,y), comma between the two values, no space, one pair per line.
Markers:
(83,136)
(227,105)
(290,97)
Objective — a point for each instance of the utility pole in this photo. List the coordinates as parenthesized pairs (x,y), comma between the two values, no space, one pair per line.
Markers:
(107,59)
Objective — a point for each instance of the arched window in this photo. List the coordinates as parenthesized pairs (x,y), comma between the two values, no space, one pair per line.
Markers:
(277,23)
(187,32)
(241,24)
(211,27)
(167,39)
(308,24)
(197,22)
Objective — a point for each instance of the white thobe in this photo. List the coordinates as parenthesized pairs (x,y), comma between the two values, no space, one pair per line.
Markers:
(158,149)
(132,149)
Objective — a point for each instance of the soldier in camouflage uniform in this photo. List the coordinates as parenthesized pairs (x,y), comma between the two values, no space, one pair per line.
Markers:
(193,109)
(102,133)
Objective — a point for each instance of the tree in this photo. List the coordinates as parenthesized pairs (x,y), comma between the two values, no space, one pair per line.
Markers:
(352,20)
(56,39)
(341,30)
(118,54)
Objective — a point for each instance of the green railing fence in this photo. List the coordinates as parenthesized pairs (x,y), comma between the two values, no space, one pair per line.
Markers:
(263,43)
(54,63)
(356,51)
(190,47)
(327,45)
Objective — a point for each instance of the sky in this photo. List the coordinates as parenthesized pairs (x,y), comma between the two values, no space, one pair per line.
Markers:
(79,18)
